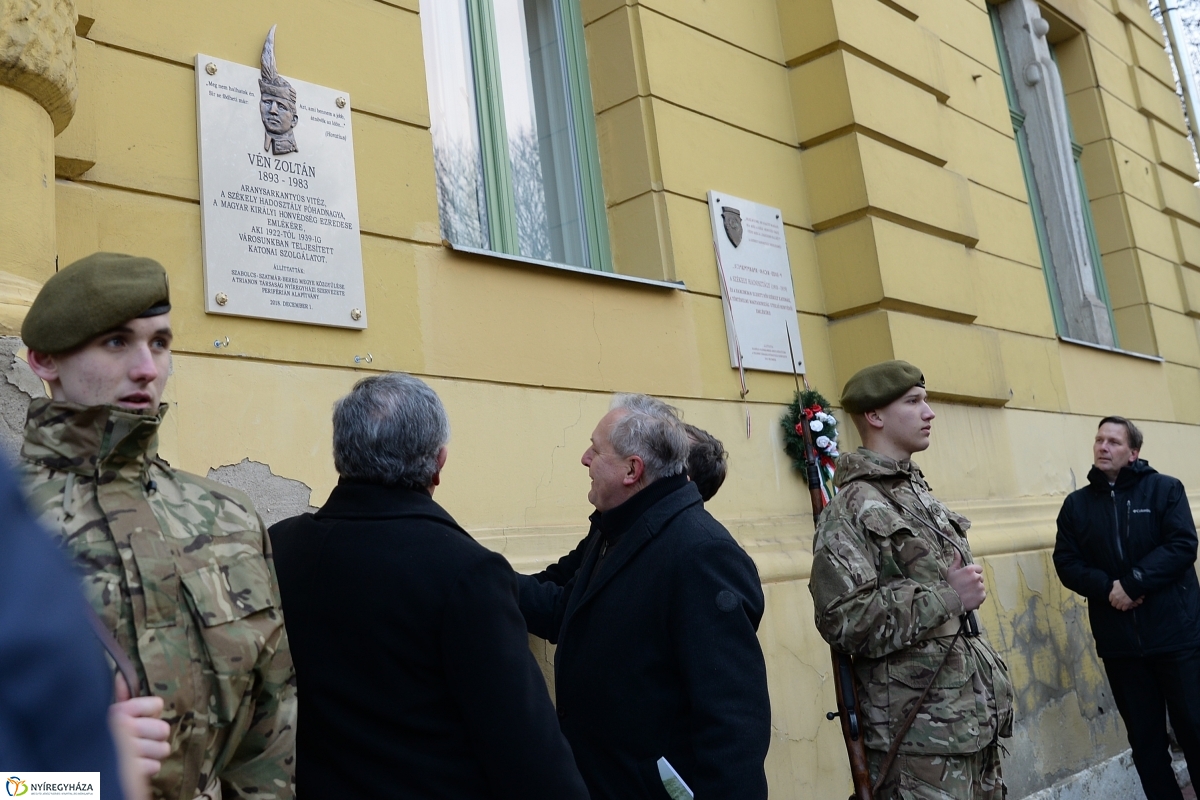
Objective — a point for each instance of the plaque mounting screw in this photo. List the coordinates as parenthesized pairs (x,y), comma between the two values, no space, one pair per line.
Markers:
(218,343)
(341,102)
(222,298)
(355,314)
(367,358)
(210,68)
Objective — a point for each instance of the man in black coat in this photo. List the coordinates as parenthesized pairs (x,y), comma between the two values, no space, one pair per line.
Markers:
(412,661)
(706,467)
(1127,543)
(657,653)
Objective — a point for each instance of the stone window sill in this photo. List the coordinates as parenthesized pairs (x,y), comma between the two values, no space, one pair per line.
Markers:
(1117,350)
(594,273)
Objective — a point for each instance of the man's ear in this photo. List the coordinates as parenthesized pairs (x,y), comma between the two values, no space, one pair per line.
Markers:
(634,471)
(1133,455)
(873,419)
(441,462)
(43,365)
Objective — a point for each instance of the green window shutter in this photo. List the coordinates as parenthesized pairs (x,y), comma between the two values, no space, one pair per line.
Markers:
(493,133)
(499,178)
(587,151)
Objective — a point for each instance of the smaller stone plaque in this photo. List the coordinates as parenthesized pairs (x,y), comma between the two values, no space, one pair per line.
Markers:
(756,284)
(278,197)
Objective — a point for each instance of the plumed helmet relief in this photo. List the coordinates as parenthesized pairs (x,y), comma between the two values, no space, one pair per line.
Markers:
(277,104)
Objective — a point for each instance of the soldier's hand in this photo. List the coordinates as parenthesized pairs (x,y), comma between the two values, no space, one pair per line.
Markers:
(967,582)
(1121,601)
(135,722)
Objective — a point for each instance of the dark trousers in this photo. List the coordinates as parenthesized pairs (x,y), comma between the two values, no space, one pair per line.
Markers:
(1146,690)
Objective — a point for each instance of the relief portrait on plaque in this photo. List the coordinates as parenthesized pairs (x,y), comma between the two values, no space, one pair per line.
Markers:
(733,224)
(277,104)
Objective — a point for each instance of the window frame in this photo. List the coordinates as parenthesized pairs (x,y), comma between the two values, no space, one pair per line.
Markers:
(1035,206)
(500,204)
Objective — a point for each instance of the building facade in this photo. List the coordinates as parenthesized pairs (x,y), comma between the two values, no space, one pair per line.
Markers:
(1003,195)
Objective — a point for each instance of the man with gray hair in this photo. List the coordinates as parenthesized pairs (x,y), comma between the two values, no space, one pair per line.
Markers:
(658,665)
(409,646)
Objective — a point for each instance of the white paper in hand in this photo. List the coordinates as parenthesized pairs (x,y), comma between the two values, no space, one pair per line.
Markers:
(676,788)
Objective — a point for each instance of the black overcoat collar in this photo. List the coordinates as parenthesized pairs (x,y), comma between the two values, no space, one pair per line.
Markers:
(647,526)
(362,501)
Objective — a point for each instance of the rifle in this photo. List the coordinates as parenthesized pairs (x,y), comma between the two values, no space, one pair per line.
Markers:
(848,707)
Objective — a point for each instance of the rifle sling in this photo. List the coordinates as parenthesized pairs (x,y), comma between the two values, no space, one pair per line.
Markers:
(892,751)
(115,651)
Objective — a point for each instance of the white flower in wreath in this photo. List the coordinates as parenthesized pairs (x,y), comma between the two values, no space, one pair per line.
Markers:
(824,442)
(827,418)
(816,426)
(833,452)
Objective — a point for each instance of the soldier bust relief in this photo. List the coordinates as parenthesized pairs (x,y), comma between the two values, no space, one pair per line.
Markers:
(277,104)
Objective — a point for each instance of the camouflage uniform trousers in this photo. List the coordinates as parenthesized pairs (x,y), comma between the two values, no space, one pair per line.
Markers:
(973,776)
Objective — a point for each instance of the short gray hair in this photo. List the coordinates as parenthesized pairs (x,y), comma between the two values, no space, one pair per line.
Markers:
(389,430)
(652,431)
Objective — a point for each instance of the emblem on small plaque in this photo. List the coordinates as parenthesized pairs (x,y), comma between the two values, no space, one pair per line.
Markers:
(733,224)
(277,104)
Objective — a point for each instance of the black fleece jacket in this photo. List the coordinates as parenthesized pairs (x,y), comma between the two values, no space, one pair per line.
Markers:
(1138,531)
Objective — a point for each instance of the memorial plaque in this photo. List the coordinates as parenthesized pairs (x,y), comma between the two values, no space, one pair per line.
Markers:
(756,284)
(278,198)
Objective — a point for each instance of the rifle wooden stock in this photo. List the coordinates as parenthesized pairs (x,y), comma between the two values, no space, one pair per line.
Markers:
(849,712)
(848,709)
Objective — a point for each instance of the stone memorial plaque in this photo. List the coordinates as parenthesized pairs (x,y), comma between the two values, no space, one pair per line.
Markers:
(756,284)
(278,198)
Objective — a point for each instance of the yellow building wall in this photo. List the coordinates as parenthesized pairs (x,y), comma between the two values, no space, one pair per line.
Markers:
(881,130)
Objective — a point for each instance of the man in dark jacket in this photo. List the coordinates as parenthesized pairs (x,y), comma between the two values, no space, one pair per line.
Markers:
(657,655)
(706,467)
(1127,543)
(410,650)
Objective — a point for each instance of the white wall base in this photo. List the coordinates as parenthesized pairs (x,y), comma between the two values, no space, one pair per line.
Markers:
(1108,780)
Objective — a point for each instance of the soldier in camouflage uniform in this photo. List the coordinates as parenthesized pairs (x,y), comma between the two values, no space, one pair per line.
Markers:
(177,567)
(892,582)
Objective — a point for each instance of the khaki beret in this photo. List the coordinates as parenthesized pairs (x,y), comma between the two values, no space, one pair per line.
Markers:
(878,385)
(91,296)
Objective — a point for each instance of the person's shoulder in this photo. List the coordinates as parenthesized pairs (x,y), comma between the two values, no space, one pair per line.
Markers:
(202,505)
(439,536)
(43,489)
(697,536)
(285,530)
(694,525)
(1081,495)
(855,501)
(1161,481)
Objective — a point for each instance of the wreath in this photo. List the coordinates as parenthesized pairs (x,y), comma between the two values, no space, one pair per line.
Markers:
(808,408)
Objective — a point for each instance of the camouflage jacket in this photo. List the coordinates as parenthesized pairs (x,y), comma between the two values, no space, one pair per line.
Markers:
(180,570)
(880,593)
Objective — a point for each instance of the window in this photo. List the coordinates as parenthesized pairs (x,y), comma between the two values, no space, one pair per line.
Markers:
(513,129)
(1049,156)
